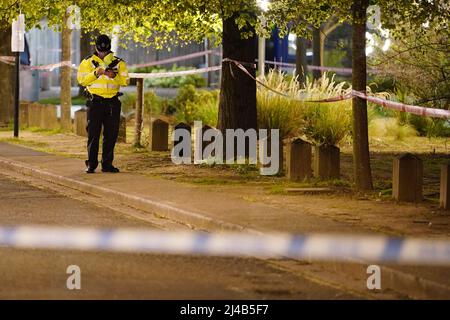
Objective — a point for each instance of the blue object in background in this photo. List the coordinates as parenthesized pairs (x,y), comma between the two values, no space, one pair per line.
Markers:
(25,58)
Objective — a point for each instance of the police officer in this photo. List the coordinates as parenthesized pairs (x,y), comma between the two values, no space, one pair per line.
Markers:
(102,74)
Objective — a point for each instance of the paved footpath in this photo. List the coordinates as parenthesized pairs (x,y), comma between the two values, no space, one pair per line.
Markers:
(215,210)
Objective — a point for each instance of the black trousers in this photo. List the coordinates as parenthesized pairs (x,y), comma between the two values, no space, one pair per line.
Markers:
(104,113)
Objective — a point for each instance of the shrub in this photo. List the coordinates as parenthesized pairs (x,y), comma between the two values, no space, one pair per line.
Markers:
(429,127)
(197,105)
(391,127)
(152,103)
(128,101)
(276,111)
(173,82)
(326,122)
(298,113)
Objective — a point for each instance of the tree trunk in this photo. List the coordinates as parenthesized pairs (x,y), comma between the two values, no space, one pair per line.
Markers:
(325,30)
(237,107)
(7,80)
(361,157)
(138,112)
(316,53)
(85,50)
(66,71)
(322,47)
(301,65)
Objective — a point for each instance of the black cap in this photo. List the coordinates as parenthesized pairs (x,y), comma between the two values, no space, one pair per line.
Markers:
(103,43)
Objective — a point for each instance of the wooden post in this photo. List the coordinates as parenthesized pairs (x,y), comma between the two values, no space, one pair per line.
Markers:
(122,137)
(326,161)
(80,122)
(444,198)
(407,178)
(298,160)
(270,150)
(23,113)
(159,135)
(138,112)
(48,117)
(181,126)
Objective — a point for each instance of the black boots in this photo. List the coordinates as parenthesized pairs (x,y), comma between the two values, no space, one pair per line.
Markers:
(88,168)
(111,169)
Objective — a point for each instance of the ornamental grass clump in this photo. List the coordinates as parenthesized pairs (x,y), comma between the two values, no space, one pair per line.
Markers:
(276,111)
(326,123)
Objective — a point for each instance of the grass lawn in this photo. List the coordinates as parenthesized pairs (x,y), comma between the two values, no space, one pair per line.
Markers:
(433,152)
(76,100)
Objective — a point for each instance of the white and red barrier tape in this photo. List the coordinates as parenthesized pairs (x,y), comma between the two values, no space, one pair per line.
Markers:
(421,111)
(52,66)
(170,60)
(10,60)
(418,110)
(7,59)
(321,68)
(155,75)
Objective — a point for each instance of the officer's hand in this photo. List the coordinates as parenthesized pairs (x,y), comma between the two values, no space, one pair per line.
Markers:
(110,73)
(100,71)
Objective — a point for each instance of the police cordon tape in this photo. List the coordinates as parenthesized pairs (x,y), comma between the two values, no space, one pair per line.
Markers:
(10,60)
(323,247)
(174,59)
(418,110)
(155,75)
(321,68)
(7,60)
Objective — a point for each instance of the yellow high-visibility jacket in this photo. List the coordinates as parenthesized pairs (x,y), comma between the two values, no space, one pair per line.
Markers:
(103,85)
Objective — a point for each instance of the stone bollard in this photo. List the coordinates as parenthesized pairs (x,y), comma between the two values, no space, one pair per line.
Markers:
(80,123)
(444,198)
(159,131)
(23,113)
(122,137)
(298,160)
(49,119)
(407,178)
(326,161)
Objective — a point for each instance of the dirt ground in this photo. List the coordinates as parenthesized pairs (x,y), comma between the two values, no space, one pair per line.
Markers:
(374,211)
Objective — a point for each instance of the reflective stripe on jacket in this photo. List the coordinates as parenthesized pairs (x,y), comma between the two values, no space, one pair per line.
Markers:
(103,85)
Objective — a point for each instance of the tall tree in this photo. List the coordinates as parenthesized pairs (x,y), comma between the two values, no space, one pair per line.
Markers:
(7,79)
(361,156)
(66,73)
(286,13)
(237,107)
(162,22)
(85,49)
(301,65)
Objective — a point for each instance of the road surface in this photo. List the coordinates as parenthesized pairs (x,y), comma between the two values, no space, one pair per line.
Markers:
(41,274)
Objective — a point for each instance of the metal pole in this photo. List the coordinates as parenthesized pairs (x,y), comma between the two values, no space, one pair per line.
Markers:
(261,55)
(16,97)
